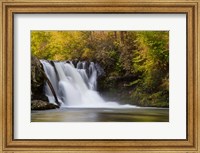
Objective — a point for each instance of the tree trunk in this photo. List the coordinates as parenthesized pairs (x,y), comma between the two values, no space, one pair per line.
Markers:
(52,63)
(122,37)
(51,87)
(115,33)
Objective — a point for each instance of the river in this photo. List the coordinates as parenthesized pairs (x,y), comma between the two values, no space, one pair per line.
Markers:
(141,114)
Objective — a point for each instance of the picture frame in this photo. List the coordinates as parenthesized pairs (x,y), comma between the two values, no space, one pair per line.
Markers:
(10,7)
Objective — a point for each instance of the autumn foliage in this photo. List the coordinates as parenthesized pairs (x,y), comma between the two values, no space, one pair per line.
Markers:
(136,63)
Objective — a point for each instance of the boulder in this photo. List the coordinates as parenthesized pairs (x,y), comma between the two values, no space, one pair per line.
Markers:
(37,80)
(42,105)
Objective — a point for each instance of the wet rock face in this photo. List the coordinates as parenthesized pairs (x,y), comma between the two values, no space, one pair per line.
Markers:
(37,80)
(100,70)
(42,105)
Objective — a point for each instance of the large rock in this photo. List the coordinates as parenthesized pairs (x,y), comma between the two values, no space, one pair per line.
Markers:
(37,80)
(42,105)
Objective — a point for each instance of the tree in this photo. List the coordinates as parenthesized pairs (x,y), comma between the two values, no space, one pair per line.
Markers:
(142,54)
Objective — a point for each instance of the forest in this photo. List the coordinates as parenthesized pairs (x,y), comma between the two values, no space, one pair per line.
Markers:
(135,63)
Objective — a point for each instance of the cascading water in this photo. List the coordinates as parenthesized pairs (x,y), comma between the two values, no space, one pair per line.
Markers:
(50,72)
(74,86)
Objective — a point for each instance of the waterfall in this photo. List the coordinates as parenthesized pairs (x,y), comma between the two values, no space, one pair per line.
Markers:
(50,72)
(75,86)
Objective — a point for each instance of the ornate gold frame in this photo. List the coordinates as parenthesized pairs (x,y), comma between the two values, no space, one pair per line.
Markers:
(11,7)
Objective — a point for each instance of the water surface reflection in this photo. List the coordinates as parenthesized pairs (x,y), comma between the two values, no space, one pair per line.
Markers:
(101,115)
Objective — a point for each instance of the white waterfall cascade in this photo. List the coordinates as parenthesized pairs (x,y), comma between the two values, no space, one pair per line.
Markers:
(75,86)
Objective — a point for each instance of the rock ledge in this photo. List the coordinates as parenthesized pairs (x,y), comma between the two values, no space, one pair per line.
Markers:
(42,105)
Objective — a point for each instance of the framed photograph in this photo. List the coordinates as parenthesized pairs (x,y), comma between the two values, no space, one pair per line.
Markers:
(84,76)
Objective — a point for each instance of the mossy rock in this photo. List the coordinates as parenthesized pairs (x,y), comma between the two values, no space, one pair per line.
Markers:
(42,105)
(37,78)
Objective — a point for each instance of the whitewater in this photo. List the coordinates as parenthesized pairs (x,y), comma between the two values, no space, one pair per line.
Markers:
(75,86)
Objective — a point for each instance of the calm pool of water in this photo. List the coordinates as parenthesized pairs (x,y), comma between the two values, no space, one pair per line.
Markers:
(102,115)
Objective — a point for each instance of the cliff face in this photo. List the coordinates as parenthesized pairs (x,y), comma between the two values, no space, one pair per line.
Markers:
(37,80)
(38,99)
